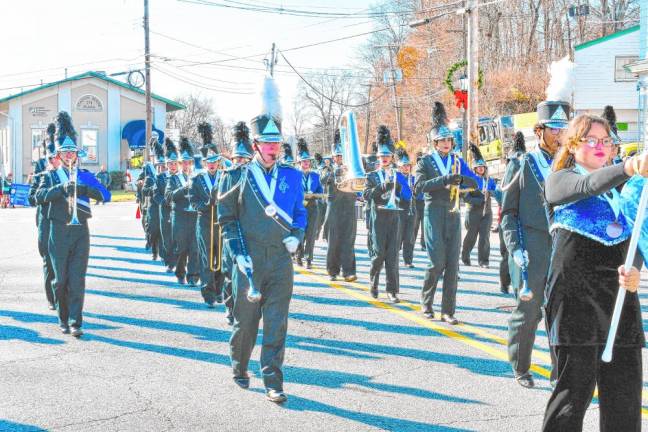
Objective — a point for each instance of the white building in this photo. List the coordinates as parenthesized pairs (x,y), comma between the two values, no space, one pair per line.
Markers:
(602,79)
(107,114)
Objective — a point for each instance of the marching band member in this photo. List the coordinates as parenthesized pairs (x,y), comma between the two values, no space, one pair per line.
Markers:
(385,233)
(319,167)
(420,211)
(66,193)
(439,175)
(340,225)
(479,213)
(146,181)
(526,234)
(204,187)
(312,185)
(591,235)
(183,218)
(49,163)
(407,202)
(161,182)
(371,163)
(263,218)
(154,200)
(242,152)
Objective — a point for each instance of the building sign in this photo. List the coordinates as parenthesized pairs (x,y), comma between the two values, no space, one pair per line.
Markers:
(89,103)
(39,111)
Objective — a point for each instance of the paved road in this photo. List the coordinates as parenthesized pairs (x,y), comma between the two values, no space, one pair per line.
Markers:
(155,359)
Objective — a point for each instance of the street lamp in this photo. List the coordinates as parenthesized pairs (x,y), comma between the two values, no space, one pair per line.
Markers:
(463,82)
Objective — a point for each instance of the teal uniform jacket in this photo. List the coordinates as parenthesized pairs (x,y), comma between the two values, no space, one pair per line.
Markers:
(183,227)
(524,212)
(242,215)
(340,227)
(385,231)
(203,199)
(68,246)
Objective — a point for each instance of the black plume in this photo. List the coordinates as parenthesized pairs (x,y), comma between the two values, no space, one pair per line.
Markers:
(64,127)
(439,116)
(610,116)
(302,147)
(374,148)
(476,153)
(288,154)
(205,131)
(241,132)
(383,137)
(337,139)
(185,146)
(318,158)
(400,153)
(519,144)
(170,146)
(51,130)
(419,155)
(158,149)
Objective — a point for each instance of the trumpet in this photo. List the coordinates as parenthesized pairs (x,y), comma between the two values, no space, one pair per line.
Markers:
(391,204)
(74,171)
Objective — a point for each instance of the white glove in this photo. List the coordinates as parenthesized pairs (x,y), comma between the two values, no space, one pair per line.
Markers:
(291,244)
(521,258)
(244,262)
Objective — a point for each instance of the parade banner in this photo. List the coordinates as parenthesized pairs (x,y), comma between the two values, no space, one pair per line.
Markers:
(19,194)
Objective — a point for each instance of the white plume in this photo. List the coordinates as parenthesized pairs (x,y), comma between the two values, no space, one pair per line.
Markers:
(561,81)
(270,98)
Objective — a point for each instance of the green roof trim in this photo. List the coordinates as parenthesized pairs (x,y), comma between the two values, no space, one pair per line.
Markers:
(171,103)
(606,38)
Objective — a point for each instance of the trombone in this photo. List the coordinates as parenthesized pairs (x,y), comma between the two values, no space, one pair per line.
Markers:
(74,172)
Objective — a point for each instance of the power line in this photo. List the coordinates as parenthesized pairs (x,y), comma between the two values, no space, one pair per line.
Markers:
(346,105)
(200,85)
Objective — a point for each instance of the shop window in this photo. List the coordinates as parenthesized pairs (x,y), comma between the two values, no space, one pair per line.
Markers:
(37,135)
(620,74)
(89,144)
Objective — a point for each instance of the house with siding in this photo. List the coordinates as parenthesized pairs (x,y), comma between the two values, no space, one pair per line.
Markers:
(602,78)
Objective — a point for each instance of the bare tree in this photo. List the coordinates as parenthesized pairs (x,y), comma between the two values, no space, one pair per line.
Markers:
(199,109)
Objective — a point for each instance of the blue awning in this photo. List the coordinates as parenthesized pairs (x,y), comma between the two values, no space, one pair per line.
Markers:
(135,133)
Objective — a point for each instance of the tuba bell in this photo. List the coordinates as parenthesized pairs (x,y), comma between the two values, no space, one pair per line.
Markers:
(354,176)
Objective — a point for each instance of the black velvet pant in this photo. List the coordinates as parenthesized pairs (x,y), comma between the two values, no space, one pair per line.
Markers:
(619,382)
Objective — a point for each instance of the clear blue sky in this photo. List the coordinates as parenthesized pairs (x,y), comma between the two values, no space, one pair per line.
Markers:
(43,37)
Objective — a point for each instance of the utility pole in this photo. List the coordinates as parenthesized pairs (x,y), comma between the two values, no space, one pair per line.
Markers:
(472,13)
(464,111)
(392,72)
(272,60)
(367,118)
(147,79)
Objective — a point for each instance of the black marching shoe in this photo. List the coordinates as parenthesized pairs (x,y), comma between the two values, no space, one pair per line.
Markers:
(191,281)
(350,278)
(181,280)
(77,332)
(393,297)
(484,265)
(466,261)
(276,396)
(64,329)
(299,262)
(242,381)
(230,317)
(154,257)
(169,269)
(525,380)
(429,314)
(333,277)
(374,293)
(410,265)
(51,306)
(450,319)
(504,289)
(219,298)
(309,265)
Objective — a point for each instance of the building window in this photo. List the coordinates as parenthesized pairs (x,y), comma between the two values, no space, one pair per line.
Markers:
(89,144)
(37,135)
(620,74)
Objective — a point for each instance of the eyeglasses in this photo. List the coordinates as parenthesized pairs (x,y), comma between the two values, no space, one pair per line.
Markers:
(593,142)
(554,131)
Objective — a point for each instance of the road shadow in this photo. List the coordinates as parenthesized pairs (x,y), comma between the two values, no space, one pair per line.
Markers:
(7,425)
(8,332)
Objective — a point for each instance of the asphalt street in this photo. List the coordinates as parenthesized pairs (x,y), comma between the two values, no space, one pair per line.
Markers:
(154,358)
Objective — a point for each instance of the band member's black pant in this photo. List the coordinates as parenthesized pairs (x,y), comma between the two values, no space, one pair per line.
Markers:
(505,276)
(307,245)
(385,240)
(341,232)
(619,382)
(43,250)
(167,235)
(477,226)
(407,235)
(69,247)
(208,249)
(418,222)
(154,232)
(184,240)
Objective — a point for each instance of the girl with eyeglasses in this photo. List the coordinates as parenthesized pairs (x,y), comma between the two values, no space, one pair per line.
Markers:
(590,239)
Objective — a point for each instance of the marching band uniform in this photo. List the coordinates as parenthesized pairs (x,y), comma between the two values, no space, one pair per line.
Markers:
(479,213)
(69,245)
(435,178)
(371,163)
(320,168)
(241,154)
(151,215)
(526,234)
(183,220)
(42,220)
(263,220)
(407,217)
(161,182)
(385,232)
(340,226)
(203,198)
(312,185)
(591,237)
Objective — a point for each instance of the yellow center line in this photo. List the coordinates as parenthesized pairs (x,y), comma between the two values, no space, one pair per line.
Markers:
(319,275)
